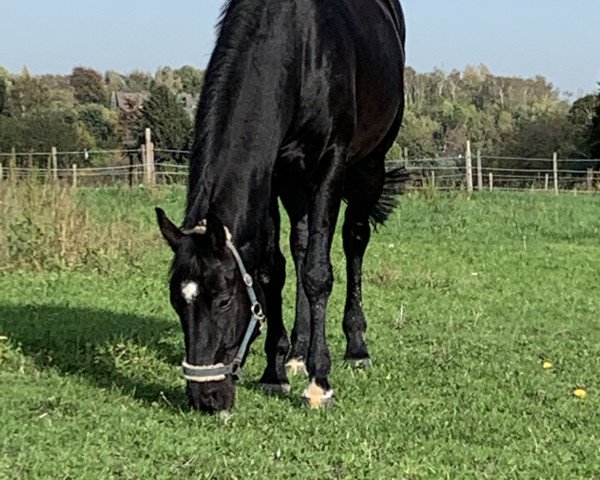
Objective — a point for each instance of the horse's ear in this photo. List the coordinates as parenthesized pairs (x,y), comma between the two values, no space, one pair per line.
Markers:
(215,233)
(169,230)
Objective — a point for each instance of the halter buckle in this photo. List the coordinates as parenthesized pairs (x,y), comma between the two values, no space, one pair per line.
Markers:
(236,370)
(257,312)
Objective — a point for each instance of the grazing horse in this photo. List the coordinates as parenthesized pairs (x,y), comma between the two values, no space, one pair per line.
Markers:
(301,101)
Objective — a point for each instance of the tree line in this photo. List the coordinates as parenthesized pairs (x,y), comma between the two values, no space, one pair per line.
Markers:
(502,116)
(88,110)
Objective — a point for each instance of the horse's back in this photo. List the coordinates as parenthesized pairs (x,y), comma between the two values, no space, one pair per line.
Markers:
(365,39)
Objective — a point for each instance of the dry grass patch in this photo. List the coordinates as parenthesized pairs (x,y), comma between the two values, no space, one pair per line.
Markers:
(44,226)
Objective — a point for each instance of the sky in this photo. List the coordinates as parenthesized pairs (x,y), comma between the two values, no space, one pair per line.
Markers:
(554,38)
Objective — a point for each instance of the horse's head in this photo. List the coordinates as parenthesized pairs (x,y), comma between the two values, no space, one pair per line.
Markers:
(210,295)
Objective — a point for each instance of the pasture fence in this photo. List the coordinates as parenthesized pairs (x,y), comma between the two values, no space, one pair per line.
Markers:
(152,166)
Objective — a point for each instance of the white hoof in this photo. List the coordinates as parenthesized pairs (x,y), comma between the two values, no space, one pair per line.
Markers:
(296,367)
(316,397)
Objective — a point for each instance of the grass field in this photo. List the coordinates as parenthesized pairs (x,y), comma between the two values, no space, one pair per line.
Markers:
(465,299)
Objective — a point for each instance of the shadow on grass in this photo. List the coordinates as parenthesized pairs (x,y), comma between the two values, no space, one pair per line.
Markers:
(86,343)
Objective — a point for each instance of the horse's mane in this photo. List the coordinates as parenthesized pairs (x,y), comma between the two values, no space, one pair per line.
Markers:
(239,20)
(237,24)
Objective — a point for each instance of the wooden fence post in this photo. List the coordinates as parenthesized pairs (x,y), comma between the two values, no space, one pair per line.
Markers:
(491,179)
(547,182)
(144,164)
(590,178)
(1,173)
(469,165)
(54,164)
(555,169)
(149,169)
(479,171)
(12,165)
(32,173)
(433,178)
(74,175)
(144,161)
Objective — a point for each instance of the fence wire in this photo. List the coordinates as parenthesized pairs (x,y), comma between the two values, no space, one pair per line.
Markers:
(114,167)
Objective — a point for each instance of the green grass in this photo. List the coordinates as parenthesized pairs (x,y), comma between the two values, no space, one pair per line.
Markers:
(464,298)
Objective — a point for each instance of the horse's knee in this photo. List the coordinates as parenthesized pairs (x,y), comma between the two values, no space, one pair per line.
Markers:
(317,280)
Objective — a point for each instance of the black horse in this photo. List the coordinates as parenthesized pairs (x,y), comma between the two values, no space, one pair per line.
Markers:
(301,102)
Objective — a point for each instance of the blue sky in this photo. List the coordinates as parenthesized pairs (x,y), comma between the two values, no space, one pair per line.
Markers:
(557,39)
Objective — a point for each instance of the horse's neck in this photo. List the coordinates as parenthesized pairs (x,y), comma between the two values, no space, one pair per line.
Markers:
(243,116)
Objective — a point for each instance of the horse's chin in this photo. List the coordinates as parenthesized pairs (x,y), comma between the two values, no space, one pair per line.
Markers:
(212,397)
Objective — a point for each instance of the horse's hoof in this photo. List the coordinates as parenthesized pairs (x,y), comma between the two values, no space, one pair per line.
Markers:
(225,417)
(296,367)
(275,388)
(316,397)
(360,363)
(320,404)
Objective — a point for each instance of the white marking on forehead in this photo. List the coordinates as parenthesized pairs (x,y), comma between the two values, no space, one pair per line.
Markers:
(189,290)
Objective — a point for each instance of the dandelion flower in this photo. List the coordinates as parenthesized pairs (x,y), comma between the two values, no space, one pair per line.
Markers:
(580,393)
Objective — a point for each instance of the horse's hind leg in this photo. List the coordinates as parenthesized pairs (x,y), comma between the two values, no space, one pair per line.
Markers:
(363,188)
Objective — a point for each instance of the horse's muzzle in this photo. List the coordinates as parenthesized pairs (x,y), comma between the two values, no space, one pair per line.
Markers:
(212,397)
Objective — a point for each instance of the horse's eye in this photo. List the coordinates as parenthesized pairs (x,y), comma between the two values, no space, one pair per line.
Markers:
(223,303)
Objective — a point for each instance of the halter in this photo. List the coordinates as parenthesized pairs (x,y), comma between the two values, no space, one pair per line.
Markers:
(219,371)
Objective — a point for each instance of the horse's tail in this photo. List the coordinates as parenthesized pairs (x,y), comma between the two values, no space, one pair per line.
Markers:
(394,186)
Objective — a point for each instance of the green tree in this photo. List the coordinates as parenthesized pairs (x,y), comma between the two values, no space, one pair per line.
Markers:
(138,81)
(594,131)
(42,129)
(165,76)
(28,94)
(88,86)
(114,81)
(170,124)
(418,135)
(10,133)
(60,94)
(542,135)
(191,79)
(101,123)
(581,116)
(4,85)
(3,94)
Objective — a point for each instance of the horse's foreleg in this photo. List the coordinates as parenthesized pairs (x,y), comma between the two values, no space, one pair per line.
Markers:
(317,273)
(295,204)
(274,378)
